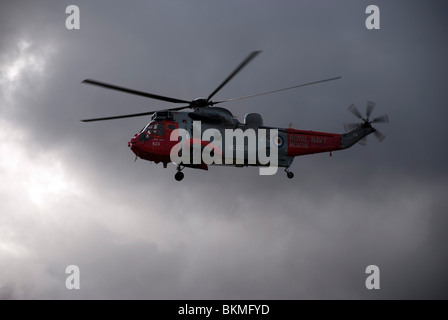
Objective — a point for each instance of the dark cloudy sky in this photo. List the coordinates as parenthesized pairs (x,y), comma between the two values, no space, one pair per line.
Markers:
(71,193)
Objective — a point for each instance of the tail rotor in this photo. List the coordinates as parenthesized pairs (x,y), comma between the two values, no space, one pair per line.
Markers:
(366,121)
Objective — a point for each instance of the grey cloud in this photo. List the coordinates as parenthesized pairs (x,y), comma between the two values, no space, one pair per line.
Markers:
(228,232)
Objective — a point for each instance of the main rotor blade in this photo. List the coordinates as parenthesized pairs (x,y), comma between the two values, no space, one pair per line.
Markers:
(131,91)
(234,73)
(382,119)
(132,115)
(355,111)
(369,108)
(278,90)
(119,117)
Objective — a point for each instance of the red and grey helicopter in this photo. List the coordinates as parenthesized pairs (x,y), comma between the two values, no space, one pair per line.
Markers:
(155,141)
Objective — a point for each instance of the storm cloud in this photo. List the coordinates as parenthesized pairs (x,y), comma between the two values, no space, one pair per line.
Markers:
(71,192)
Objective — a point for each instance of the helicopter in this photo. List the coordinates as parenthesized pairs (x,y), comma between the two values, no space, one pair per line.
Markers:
(160,140)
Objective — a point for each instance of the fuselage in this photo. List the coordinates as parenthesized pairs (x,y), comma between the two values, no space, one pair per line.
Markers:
(156,141)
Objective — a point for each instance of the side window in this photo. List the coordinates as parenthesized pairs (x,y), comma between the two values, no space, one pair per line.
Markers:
(149,129)
(158,130)
(154,129)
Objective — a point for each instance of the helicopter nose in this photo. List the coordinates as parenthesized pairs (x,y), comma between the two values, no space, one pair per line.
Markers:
(133,141)
(134,145)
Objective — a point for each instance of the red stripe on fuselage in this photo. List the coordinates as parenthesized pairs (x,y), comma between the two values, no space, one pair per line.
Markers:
(302,142)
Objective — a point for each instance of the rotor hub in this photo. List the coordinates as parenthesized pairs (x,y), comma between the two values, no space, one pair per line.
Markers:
(200,102)
(366,123)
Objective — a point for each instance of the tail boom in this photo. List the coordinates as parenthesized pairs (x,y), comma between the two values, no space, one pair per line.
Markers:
(302,142)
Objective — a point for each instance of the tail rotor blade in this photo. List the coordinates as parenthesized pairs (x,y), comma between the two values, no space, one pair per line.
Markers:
(355,111)
(382,119)
(363,141)
(369,108)
(350,126)
(379,136)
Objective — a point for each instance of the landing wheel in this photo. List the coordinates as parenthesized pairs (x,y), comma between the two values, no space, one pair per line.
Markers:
(179,176)
(289,174)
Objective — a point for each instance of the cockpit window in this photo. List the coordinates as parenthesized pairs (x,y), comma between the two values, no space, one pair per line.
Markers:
(145,128)
(154,129)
